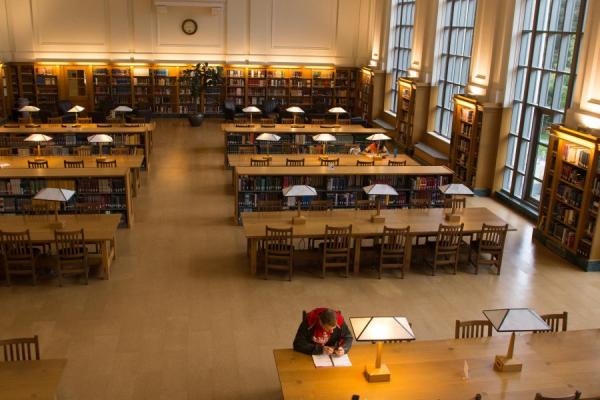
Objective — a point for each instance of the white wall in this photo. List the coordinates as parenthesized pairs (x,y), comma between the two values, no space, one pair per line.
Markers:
(340,32)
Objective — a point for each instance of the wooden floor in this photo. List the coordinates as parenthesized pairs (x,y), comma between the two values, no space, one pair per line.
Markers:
(181,318)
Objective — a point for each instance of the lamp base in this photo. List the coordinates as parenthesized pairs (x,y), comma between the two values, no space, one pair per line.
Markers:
(297,126)
(377,219)
(301,220)
(377,374)
(455,218)
(505,364)
(57,225)
(102,158)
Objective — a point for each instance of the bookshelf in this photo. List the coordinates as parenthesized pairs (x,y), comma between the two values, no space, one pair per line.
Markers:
(300,83)
(323,87)
(107,189)
(405,113)
(342,185)
(142,87)
(570,199)
(345,88)
(100,85)
(4,105)
(164,93)
(256,86)
(277,86)
(120,85)
(21,83)
(365,94)
(235,82)
(213,97)
(46,84)
(466,132)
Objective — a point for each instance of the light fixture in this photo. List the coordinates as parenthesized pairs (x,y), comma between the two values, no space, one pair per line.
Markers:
(123,109)
(380,329)
(378,137)
(251,110)
(38,138)
(413,73)
(76,109)
(337,111)
(294,110)
(379,189)
(299,191)
(476,90)
(100,139)
(454,189)
(513,320)
(324,138)
(29,109)
(268,137)
(56,196)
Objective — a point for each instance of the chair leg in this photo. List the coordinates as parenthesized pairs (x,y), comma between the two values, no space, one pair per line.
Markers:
(499,265)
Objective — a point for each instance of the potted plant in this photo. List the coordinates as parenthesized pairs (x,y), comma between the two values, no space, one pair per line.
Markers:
(198,78)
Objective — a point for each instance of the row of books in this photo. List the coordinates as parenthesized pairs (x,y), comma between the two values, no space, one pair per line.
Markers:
(566,215)
(564,234)
(104,202)
(18,186)
(101,185)
(584,248)
(568,195)
(576,154)
(572,174)
(465,130)
(467,115)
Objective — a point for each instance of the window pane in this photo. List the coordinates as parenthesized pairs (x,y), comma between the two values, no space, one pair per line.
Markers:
(519,182)
(510,154)
(523,155)
(515,118)
(507,181)
(540,162)
(536,190)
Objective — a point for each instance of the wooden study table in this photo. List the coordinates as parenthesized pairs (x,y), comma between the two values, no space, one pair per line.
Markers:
(421,222)
(38,379)
(554,364)
(314,160)
(98,228)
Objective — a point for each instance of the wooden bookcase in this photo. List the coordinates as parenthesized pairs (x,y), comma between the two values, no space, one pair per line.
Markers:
(466,133)
(4,105)
(120,85)
(323,86)
(164,94)
(235,85)
(278,81)
(345,88)
(21,83)
(570,198)
(143,87)
(405,113)
(46,84)
(108,189)
(300,92)
(100,84)
(365,94)
(342,185)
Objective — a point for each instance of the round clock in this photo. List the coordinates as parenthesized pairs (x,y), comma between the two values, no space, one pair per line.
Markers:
(189,26)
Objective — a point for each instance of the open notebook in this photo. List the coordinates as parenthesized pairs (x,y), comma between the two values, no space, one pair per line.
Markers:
(325,360)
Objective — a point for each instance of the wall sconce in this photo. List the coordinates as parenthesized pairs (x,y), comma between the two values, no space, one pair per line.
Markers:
(590,121)
(594,105)
(413,73)
(476,90)
(372,63)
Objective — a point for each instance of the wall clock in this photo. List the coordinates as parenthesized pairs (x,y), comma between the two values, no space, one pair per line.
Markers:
(189,26)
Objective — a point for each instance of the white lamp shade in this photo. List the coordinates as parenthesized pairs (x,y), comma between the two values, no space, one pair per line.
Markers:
(516,320)
(123,109)
(100,139)
(381,328)
(456,188)
(299,191)
(380,189)
(268,137)
(29,109)
(294,110)
(379,136)
(54,194)
(76,109)
(38,137)
(337,110)
(324,137)
(251,109)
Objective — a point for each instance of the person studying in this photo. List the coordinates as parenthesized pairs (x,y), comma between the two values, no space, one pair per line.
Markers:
(323,331)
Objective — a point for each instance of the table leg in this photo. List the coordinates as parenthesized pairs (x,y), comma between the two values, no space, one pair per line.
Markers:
(357,244)
(407,254)
(253,243)
(105,257)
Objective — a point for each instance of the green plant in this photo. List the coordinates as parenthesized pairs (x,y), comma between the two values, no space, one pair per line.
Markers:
(200,77)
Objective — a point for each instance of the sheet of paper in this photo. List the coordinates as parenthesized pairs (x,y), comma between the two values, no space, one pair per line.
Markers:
(341,361)
(322,360)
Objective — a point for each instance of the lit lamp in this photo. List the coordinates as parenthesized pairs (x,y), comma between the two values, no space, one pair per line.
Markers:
(38,138)
(100,139)
(378,138)
(324,138)
(455,189)
(268,137)
(123,110)
(299,191)
(77,109)
(513,320)
(294,110)
(379,189)
(56,196)
(251,110)
(337,111)
(29,109)
(380,329)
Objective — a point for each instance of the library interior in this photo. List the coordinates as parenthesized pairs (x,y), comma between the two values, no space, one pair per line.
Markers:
(316,199)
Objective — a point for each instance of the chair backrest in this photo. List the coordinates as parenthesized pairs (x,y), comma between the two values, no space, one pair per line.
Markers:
(37,164)
(327,162)
(289,162)
(317,121)
(74,164)
(16,245)
(119,151)
(393,240)
(268,205)
(84,120)
(259,162)
(492,237)
(287,120)
(365,205)
(337,237)
(455,202)
(278,240)
(267,120)
(246,150)
(70,244)
(20,349)
(472,329)
(106,163)
(360,163)
(83,151)
(393,163)
(576,396)
(5,151)
(557,322)
(449,237)
(320,205)
(55,120)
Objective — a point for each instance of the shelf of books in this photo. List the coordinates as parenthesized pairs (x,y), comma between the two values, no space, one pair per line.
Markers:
(342,185)
(142,87)
(365,94)
(235,85)
(256,86)
(120,86)
(345,88)
(46,83)
(466,133)
(21,82)
(277,86)
(323,87)
(300,83)
(164,95)
(100,85)
(570,197)
(103,190)
(405,112)
(4,105)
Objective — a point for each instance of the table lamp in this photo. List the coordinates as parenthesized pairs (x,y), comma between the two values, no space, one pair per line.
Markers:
(337,111)
(29,109)
(268,137)
(77,109)
(56,196)
(452,190)
(100,139)
(378,138)
(513,320)
(38,138)
(294,110)
(123,109)
(379,189)
(324,138)
(380,329)
(299,191)
(251,110)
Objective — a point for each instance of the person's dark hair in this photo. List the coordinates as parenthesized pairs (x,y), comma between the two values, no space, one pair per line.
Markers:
(328,317)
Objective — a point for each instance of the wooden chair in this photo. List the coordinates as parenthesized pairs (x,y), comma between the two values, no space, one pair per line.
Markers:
(320,205)
(279,250)
(360,163)
(246,150)
(259,162)
(119,151)
(472,329)
(20,349)
(446,247)
(5,151)
(84,120)
(106,163)
(336,249)
(74,164)
(287,121)
(18,254)
(268,205)
(455,202)
(328,162)
(37,164)
(289,162)
(267,120)
(392,248)
(83,151)
(55,120)
(317,121)
(393,163)
(365,205)
(490,241)
(71,254)
(576,396)
(557,322)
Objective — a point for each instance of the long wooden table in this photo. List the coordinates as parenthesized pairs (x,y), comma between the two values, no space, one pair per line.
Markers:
(421,222)
(38,380)
(554,364)
(98,228)
(314,160)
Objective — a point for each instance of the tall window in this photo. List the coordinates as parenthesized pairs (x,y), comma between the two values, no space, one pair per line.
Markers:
(548,51)
(401,36)
(454,59)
